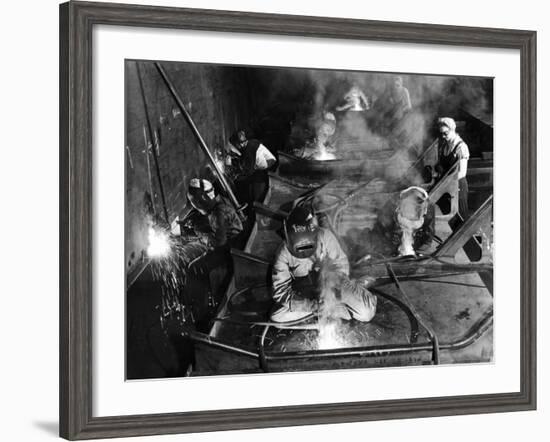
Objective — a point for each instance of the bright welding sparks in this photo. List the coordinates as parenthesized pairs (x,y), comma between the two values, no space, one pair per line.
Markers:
(328,336)
(323,155)
(159,244)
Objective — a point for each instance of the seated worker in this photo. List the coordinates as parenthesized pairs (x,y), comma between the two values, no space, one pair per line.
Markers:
(453,149)
(311,267)
(217,227)
(253,162)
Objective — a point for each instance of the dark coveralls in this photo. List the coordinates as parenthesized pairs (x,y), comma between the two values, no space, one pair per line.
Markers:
(251,183)
(209,273)
(448,156)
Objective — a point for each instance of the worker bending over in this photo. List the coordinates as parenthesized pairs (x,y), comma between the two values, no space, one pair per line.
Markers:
(311,274)
(252,162)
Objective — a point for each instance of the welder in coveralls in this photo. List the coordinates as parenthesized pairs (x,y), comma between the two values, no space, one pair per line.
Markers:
(218,227)
(404,226)
(414,223)
(311,275)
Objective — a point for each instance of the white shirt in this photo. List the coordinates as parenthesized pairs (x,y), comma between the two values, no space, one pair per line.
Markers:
(263,155)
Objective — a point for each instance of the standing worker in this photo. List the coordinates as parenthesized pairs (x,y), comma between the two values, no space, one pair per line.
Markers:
(399,99)
(253,162)
(453,149)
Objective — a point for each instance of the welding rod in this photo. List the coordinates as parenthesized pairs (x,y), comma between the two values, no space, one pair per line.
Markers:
(198,136)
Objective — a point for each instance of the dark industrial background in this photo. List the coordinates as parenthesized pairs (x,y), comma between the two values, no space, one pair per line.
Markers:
(270,103)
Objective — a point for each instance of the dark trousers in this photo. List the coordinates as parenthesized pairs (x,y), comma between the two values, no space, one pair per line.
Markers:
(463,198)
(207,279)
(252,188)
(445,202)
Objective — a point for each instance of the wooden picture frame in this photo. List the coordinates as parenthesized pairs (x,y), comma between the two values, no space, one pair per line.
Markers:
(76,22)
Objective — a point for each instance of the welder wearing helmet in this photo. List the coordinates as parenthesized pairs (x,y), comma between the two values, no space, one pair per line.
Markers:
(410,215)
(297,275)
(253,160)
(222,217)
(404,225)
(218,228)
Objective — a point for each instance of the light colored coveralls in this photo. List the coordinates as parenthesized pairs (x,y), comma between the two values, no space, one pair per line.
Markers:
(353,300)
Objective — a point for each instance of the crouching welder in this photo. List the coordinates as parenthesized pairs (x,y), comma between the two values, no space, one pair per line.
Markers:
(218,227)
(404,226)
(311,268)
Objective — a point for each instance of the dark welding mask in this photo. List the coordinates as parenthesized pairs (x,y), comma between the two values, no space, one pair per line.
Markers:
(201,195)
(301,232)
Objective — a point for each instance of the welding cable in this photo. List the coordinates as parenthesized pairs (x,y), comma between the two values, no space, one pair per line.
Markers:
(339,202)
(474,268)
(337,213)
(429,330)
(391,259)
(467,268)
(405,308)
(464,284)
(261,350)
(385,280)
(349,196)
(285,325)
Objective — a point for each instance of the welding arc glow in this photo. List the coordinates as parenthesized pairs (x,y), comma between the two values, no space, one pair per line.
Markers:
(328,337)
(159,244)
(322,153)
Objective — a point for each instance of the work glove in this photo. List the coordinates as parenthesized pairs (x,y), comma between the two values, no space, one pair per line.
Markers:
(299,304)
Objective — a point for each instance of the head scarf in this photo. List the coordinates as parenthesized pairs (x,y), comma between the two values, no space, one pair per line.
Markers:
(448,122)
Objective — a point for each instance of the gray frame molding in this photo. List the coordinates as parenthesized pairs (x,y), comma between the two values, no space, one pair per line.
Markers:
(76,22)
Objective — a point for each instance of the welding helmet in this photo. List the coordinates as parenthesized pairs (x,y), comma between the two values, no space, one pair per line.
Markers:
(201,195)
(301,232)
(413,204)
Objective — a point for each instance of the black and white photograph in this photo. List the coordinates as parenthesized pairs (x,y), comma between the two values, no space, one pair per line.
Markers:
(275,220)
(287,219)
